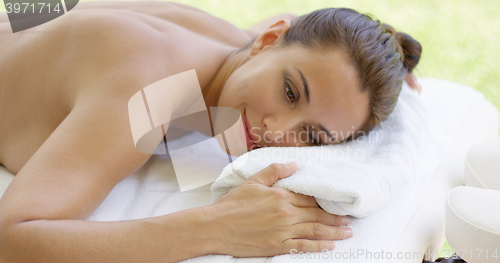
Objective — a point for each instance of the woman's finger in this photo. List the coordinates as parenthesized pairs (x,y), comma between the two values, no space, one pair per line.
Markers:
(300,200)
(318,215)
(275,171)
(320,231)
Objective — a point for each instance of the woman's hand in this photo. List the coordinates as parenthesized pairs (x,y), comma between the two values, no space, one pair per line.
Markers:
(255,219)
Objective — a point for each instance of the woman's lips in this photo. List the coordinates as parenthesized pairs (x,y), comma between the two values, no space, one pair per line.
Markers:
(251,141)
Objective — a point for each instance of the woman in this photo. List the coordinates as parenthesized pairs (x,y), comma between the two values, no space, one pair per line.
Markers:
(65,129)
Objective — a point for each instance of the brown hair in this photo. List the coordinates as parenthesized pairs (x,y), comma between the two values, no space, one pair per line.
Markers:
(381,56)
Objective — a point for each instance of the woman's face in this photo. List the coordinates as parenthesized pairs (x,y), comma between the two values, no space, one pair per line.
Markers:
(296,96)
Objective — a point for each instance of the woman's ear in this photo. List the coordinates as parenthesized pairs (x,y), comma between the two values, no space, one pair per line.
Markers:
(270,37)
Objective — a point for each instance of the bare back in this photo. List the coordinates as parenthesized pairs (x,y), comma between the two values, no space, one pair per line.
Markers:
(98,52)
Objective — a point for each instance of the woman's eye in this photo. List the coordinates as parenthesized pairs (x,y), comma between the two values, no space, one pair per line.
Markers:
(289,92)
(313,140)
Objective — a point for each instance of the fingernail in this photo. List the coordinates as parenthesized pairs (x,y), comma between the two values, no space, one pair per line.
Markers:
(345,221)
(347,233)
(290,164)
(331,245)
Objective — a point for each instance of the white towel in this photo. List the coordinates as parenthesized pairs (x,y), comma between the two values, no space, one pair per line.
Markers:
(354,178)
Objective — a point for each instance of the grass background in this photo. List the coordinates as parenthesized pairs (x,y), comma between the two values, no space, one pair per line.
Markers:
(460,38)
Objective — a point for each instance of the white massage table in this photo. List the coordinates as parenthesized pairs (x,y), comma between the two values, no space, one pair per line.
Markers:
(413,222)
(478,121)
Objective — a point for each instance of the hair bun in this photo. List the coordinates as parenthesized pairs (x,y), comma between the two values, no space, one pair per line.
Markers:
(411,50)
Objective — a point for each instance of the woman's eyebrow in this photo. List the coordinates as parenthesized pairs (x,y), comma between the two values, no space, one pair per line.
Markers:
(304,83)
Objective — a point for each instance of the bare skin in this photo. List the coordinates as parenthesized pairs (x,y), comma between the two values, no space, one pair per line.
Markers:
(63,100)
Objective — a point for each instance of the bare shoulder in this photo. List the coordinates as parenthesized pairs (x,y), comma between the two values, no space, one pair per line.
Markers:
(132,48)
(102,42)
(185,16)
(139,38)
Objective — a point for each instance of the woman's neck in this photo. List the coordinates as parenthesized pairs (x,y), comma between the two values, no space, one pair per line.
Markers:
(212,92)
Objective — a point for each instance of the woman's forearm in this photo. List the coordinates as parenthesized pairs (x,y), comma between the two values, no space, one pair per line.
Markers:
(253,219)
(167,238)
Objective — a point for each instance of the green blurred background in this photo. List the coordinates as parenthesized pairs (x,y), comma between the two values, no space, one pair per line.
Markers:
(460,38)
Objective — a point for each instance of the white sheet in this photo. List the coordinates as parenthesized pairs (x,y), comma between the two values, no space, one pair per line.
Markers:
(153,189)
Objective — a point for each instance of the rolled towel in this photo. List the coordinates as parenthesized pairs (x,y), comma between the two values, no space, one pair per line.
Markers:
(354,178)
